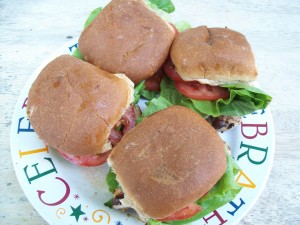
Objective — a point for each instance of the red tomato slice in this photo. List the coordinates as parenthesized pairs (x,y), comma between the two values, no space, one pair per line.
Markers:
(88,160)
(185,213)
(153,83)
(169,69)
(198,91)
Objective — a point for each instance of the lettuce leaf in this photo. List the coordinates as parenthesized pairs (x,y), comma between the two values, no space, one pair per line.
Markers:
(92,16)
(137,92)
(244,99)
(88,21)
(77,54)
(165,5)
(109,203)
(223,192)
(149,95)
(112,181)
(112,185)
(154,105)
(140,91)
(182,25)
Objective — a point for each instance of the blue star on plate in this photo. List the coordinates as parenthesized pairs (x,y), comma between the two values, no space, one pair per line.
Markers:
(77,212)
(119,223)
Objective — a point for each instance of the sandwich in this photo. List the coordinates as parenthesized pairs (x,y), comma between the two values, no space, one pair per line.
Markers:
(74,108)
(171,167)
(127,37)
(211,70)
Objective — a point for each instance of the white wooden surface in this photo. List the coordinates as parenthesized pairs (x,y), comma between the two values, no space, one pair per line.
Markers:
(31,30)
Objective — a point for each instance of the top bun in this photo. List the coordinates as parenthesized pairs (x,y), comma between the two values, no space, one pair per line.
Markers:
(216,55)
(72,105)
(127,37)
(168,161)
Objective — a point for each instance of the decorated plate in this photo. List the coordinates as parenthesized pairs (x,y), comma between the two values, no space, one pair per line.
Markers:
(63,193)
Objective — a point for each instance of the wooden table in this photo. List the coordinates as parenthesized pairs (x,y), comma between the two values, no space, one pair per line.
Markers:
(31,30)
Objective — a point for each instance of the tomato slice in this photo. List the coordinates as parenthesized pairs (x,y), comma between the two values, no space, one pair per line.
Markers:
(198,91)
(169,69)
(88,160)
(185,213)
(153,83)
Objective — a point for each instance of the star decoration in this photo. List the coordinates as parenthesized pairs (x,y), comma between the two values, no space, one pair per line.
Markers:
(119,223)
(77,212)
(76,196)
(85,219)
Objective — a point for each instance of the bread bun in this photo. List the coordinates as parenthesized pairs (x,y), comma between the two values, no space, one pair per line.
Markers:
(127,37)
(169,160)
(213,56)
(72,105)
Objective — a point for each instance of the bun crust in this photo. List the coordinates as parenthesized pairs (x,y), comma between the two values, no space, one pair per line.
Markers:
(217,54)
(72,105)
(169,160)
(127,37)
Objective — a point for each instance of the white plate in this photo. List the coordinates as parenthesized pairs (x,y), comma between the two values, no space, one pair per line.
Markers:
(67,194)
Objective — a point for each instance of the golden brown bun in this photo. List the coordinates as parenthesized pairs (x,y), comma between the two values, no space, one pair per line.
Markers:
(72,105)
(167,161)
(218,54)
(127,37)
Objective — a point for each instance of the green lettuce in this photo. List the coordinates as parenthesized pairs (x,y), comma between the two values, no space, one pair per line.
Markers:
(165,5)
(244,99)
(182,25)
(77,54)
(88,21)
(155,105)
(113,184)
(92,16)
(137,92)
(111,181)
(140,91)
(149,95)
